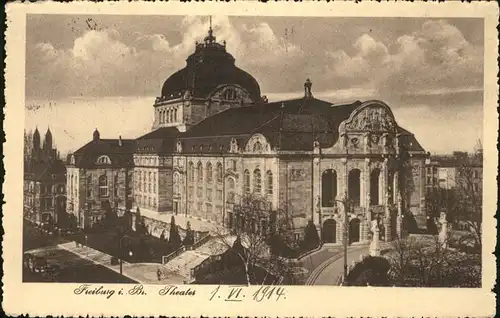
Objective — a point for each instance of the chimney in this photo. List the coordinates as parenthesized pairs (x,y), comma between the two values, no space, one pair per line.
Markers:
(307,88)
(120,143)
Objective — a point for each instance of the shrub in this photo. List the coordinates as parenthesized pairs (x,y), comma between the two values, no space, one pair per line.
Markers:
(311,237)
(174,239)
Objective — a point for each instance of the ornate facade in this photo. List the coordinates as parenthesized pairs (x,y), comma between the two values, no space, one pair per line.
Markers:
(215,139)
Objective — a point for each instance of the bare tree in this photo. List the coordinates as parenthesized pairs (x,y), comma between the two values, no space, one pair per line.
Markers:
(253,225)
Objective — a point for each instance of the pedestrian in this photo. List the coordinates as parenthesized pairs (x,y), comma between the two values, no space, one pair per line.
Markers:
(158,274)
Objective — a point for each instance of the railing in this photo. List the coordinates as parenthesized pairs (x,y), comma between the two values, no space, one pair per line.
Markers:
(174,254)
(202,268)
(201,241)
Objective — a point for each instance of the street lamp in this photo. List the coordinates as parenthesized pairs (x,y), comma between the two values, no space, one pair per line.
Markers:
(345,203)
(120,250)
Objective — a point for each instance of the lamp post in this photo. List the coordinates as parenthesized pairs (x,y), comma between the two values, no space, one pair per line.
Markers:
(129,253)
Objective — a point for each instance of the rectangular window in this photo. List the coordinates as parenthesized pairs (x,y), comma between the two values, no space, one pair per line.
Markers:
(219,195)
(233,164)
(190,191)
(199,192)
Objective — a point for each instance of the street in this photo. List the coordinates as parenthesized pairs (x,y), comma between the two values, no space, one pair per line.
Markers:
(71,269)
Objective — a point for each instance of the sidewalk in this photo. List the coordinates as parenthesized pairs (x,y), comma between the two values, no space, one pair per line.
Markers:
(144,273)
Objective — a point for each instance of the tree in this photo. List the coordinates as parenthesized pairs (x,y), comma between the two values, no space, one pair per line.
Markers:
(426,262)
(189,238)
(249,239)
(311,237)
(110,216)
(174,240)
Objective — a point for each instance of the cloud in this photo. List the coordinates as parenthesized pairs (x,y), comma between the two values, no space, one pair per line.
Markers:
(100,64)
(435,56)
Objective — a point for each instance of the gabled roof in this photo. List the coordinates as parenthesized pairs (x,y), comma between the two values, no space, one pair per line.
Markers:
(46,171)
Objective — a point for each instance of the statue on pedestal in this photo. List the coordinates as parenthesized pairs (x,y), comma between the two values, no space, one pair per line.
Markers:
(443,234)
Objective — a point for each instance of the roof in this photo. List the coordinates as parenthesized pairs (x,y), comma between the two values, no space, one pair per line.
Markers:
(46,171)
(118,154)
(208,67)
(409,142)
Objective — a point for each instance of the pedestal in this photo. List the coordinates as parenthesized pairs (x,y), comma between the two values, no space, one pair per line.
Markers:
(387,228)
(374,245)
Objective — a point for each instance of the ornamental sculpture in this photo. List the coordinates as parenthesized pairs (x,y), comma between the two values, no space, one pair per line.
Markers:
(372,119)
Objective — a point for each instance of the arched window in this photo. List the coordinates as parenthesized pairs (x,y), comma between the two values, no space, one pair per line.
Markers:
(103,186)
(230,183)
(200,172)
(246,181)
(191,171)
(257,146)
(171,116)
(219,172)
(257,181)
(269,177)
(209,173)
(328,188)
(103,160)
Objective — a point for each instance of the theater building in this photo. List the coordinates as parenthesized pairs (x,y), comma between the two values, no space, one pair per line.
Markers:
(215,138)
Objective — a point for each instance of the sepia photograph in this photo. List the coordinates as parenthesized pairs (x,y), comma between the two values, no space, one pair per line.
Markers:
(253,150)
(192,150)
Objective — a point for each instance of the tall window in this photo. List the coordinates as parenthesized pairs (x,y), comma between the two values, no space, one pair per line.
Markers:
(257,181)
(149,182)
(103,186)
(209,173)
(140,180)
(144,184)
(176,184)
(246,180)
(154,182)
(89,186)
(269,177)
(200,172)
(115,184)
(70,185)
(219,172)
(191,171)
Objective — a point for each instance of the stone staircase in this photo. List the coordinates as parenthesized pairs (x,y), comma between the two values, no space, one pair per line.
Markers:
(183,263)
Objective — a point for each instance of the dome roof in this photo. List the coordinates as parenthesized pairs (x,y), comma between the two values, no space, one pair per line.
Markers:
(208,67)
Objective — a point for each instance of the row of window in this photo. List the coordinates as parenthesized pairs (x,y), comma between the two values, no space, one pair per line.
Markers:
(145,181)
(147,161)
(48,189)
(167,116)
(208,173)
(257,181)
(145,201)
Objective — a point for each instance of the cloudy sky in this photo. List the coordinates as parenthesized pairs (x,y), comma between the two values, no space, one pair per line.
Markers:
(102,71)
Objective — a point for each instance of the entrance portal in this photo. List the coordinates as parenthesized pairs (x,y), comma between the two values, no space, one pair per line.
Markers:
(329,232)
(354,230)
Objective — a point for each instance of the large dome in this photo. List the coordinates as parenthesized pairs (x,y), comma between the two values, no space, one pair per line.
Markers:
(208,67)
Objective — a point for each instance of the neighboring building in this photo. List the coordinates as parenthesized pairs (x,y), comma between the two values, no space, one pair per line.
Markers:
(215,139)
(453,176)
(99,177)
(44,180)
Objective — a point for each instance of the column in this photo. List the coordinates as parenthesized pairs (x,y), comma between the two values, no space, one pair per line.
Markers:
(367,190)
(383,189)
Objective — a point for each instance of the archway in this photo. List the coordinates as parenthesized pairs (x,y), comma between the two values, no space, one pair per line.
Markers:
(328,188)
(354,186)
(374,187)
(329,232)
(354,230)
